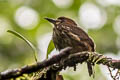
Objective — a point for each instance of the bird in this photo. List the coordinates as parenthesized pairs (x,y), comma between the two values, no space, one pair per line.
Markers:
(66,33)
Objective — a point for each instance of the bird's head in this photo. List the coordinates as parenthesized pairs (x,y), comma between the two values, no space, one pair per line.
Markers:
(62,20)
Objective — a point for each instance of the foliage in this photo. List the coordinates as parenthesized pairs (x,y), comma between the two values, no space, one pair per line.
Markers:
(28,42)
(50,47)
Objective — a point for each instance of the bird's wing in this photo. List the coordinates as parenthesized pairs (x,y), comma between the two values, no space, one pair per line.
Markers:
(80,36)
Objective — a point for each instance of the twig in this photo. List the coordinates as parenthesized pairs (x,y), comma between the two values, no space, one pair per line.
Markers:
(111,74)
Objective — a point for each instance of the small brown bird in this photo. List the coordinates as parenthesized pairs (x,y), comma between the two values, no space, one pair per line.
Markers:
(66,33)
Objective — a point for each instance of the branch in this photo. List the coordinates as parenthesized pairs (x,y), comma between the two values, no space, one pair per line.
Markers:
(64,59)
(34,67)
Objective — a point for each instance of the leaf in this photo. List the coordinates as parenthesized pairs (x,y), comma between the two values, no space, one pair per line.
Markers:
(28,42)
(50,47)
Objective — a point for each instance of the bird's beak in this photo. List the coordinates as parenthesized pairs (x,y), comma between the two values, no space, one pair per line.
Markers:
(51,20)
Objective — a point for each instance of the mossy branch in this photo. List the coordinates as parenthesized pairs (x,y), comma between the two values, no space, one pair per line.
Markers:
(64,59)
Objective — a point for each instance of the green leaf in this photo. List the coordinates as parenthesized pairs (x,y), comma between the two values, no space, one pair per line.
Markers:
(50,47)
(28,42)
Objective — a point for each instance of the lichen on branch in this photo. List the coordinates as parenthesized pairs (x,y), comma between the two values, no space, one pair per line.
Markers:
(62,60)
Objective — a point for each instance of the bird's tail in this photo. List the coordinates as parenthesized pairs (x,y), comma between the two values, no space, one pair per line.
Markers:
(90,69)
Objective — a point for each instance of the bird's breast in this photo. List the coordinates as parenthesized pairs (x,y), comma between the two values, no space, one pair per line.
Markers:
(60,39)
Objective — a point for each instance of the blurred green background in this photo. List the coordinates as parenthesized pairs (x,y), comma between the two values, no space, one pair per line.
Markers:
(100,18)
